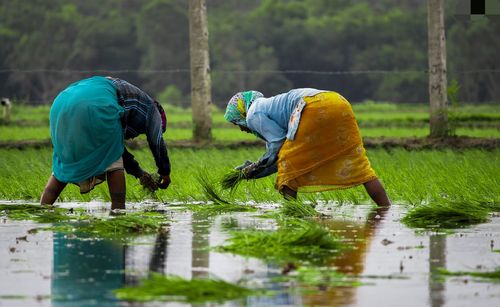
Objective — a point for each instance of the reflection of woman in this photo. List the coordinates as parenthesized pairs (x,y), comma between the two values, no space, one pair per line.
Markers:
(89,121)
(352,260)
(312,141)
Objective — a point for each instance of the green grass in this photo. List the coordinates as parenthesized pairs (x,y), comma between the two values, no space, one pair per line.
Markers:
(16,133)
(410,177)
(173,288)
(295,240)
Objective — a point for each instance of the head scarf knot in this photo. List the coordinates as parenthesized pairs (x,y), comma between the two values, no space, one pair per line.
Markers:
(238,105)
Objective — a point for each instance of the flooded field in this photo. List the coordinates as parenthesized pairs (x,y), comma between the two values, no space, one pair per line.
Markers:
(384,262)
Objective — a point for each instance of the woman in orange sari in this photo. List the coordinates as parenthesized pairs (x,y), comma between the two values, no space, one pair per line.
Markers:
(312,141)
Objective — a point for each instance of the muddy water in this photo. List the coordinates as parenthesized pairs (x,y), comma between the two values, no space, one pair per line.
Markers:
(394,262)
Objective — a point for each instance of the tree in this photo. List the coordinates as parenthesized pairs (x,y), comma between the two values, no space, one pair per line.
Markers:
(200,71)
(437,68)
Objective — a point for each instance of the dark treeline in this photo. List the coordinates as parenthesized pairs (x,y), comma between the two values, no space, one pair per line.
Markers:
(367,50)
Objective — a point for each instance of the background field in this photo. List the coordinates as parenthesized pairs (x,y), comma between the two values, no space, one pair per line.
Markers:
(375,120)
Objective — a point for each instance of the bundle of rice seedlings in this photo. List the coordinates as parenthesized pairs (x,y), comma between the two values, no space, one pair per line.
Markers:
(447,215)
(37,213)
(232,179)
(297,209)
(209,189)
(296,240)
(174,288)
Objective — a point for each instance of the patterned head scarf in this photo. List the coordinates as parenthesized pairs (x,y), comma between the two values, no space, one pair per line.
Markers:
(238,105)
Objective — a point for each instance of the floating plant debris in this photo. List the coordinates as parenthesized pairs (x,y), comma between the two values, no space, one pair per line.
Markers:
(321,277)
(37,213)
(488,275)
(173,288)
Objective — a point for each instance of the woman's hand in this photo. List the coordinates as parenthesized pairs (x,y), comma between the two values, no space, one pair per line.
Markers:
(164,181)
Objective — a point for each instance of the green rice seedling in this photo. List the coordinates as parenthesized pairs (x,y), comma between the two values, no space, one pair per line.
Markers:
(446,215)
(209,189)
(295,241)
(219,205)
(229,223)
(465,176)
(231,180)
(495,275)
(173,288)
(321,277)
(122,226)
(216,209)
(297,209)
(37,213)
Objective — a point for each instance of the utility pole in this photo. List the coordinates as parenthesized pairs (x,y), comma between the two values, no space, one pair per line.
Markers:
(438,93)
(201,93)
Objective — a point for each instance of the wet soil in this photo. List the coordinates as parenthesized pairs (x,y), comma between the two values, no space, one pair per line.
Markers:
(457,143)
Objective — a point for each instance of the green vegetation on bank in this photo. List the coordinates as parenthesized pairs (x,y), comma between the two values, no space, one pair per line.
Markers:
(375,120)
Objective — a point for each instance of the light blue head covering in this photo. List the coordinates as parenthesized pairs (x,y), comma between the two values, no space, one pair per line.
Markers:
(238,105)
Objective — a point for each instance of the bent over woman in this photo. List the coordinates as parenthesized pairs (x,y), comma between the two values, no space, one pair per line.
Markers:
(312,141)
(89,121)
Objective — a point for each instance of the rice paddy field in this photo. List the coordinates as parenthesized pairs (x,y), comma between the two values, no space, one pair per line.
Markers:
(198,244)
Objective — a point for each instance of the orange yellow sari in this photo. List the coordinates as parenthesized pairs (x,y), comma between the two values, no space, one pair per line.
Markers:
(327,152)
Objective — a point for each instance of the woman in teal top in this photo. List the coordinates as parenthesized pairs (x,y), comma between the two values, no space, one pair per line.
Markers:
(89,121)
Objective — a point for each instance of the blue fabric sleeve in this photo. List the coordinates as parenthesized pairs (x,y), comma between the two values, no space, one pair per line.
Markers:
(273,134)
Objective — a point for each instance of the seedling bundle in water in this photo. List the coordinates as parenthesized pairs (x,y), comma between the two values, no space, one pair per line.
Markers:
(449,214)
(77,221)
(38,213)
(173,288)
(295,241)
(124,225)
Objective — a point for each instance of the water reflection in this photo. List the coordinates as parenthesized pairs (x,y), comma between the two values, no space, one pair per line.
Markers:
(200,258)
(358,235)
(437,259)
(86,271)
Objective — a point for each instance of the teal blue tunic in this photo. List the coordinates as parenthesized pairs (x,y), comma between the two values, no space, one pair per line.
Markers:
(86,129)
